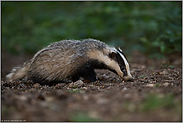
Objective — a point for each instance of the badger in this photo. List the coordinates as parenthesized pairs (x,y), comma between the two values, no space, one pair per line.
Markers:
(70,60)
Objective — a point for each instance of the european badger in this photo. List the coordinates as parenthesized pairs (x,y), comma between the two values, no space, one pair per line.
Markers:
(72,59)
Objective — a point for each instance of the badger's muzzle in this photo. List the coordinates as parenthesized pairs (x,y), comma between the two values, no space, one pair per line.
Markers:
(126,74)
(128,78)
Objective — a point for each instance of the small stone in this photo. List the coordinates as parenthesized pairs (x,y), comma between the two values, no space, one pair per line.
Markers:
(124,89)
(71,85)
(106,77)
(84,88)
(93,88)
(37,85)
(143,67)
(60,85)
(23,98)
(164,72)
(166,84)
(76,84)
(7,88)
(150,85)
(49,98)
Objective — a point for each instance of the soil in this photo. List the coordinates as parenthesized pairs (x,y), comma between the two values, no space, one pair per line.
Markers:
(155,94)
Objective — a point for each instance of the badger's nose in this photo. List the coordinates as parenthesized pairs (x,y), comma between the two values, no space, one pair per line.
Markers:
(131,79)
(128,78)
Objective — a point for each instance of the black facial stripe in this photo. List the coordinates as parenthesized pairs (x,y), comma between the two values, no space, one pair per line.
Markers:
(122,53)
(120,60)
(121,63)
(124,71)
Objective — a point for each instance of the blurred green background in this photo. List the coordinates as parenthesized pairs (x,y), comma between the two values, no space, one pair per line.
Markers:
(154,28)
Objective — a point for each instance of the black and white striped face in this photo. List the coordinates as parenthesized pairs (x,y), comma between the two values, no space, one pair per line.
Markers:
(114,59)
(120,58)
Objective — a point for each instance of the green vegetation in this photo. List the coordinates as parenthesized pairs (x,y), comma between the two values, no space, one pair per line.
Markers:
(75,90)
(154,28)
(166,65)
(157,85)
(142,76)
(155,101)
(83,117)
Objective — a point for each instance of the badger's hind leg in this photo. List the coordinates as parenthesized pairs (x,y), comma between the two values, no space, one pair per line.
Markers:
(88,74)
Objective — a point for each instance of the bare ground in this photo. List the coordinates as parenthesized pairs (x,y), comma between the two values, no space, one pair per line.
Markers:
(154,95)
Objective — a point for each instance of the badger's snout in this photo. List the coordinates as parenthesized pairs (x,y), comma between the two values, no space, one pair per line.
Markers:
(122,66)
(128,78)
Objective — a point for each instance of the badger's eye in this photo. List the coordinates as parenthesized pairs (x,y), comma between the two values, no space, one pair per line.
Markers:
(124,71)
(112,55)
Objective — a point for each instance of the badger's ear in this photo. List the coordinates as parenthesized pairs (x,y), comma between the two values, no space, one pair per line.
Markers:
(119,49)
(112,55)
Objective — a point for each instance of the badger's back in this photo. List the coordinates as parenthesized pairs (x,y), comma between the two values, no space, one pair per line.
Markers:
(61,60)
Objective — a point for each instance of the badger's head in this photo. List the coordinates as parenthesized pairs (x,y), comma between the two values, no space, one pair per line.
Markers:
(121,62)
(114,59)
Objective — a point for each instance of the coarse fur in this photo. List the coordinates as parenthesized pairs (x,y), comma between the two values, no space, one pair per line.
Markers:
(70,60)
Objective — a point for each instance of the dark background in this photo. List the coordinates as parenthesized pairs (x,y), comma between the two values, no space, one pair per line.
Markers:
(153,28)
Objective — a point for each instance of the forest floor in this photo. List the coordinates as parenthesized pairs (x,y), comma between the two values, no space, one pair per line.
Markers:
(155,94)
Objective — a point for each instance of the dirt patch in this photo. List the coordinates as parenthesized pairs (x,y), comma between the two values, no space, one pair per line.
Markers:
(155,94)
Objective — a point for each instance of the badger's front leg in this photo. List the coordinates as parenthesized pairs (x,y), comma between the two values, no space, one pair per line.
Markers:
(87,74)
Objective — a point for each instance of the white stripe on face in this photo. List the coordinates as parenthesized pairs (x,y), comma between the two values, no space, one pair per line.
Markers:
(98,55)
(112,49)
(120,49)
(126,63)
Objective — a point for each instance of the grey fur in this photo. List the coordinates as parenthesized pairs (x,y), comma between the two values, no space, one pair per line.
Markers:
(58,61)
